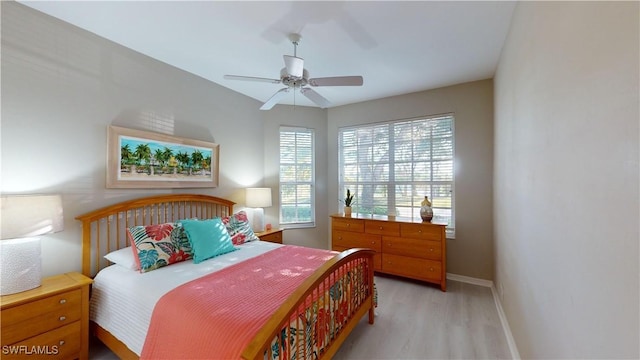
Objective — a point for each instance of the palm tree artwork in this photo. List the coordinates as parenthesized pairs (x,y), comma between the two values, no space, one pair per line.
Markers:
(143,159)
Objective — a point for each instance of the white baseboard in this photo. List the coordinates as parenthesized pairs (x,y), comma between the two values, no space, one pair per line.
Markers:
(515,354)
(469,280)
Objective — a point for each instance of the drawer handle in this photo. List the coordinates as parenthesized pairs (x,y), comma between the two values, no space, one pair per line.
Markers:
(431,249)
(380,227)
(430,269)
(61,342)
(339,237)
(420,231)
(373,243)
(63,301)
(348,225)
(62,318)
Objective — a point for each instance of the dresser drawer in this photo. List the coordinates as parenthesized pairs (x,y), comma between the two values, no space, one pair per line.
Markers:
(421,269)
(349,240)
(347,224)
(382,228)
(34,318)
(421,231)
(425,249)
(61,343)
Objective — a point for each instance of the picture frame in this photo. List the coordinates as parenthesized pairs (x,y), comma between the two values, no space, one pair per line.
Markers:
(143,159)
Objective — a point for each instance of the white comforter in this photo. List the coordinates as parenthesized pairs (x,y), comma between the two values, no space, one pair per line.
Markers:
(122,300)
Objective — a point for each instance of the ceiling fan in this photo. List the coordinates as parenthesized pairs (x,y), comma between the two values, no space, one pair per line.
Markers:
(295,77)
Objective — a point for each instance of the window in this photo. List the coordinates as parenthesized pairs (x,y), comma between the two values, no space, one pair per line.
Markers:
(392,166)
(297,166)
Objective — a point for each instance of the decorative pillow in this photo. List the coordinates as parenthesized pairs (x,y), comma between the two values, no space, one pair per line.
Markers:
(239,228)
(208,238)
(123,257)
(159,245)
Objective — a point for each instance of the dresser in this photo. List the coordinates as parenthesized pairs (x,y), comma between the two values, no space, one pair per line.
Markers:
(273,235)
(50,321)
(404,247)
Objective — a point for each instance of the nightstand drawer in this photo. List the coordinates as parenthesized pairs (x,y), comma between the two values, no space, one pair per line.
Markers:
(61,343)
(271,235)
(34,318)
(274,238)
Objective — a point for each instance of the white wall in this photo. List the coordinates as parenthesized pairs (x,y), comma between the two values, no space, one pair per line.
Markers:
(566,179)
(471,253)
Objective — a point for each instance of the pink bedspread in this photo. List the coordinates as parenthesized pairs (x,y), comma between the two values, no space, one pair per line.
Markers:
(217,315)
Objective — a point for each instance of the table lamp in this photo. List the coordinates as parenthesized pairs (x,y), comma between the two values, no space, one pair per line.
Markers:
(258,198)
(23,218)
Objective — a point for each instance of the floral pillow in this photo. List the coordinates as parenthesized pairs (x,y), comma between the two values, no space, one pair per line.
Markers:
(239,228)
(159,245)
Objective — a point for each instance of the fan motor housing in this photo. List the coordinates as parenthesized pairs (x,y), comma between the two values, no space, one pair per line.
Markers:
(292,81)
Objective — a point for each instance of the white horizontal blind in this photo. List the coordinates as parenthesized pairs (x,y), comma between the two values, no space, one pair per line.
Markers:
(297,164)
(392,166)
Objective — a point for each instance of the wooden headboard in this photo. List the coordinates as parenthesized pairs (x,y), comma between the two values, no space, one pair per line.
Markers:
(105,230)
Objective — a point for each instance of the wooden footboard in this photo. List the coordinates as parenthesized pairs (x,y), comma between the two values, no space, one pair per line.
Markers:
(313,322)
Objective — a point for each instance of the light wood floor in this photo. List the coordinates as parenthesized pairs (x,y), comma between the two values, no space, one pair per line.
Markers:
(418,321)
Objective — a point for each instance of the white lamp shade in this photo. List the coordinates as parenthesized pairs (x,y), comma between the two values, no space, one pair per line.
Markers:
(258,197)
(30,215)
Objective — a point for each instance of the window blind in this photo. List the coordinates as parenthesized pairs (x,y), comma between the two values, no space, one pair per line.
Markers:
(297,178)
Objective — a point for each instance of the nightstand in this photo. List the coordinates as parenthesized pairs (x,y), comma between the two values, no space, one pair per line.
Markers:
(50,321)
(273,235)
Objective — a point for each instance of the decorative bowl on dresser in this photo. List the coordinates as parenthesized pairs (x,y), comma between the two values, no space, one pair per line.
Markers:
(405,247)
(50,321)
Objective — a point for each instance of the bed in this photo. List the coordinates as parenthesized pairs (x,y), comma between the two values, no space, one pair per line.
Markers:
(308,322)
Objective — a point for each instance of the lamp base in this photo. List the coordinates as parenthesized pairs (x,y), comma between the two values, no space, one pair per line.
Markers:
(20,265)
(258,220)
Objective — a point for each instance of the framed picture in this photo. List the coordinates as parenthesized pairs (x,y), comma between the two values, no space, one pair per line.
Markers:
(143,159)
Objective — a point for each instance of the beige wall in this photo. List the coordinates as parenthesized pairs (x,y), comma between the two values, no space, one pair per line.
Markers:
(566,179)
(471,252)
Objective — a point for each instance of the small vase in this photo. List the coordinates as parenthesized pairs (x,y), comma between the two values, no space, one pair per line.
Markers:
(426,212)
(347,211)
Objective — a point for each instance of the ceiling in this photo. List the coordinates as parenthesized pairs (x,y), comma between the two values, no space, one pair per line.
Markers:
(398,47)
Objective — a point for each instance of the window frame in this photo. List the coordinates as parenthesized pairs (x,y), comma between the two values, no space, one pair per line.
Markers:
(391,183)
(311,183)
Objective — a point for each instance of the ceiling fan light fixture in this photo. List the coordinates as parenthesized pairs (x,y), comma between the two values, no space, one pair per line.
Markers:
(294,65)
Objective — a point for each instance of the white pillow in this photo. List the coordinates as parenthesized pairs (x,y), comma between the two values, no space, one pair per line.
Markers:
(123,257)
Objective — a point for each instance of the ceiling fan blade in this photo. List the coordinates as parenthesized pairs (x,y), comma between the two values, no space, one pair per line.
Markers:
(294,65)
(251,78)
(315,97)
(274,99)
(337,81)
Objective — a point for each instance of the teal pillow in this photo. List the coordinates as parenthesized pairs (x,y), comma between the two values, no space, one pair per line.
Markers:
(208,238)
